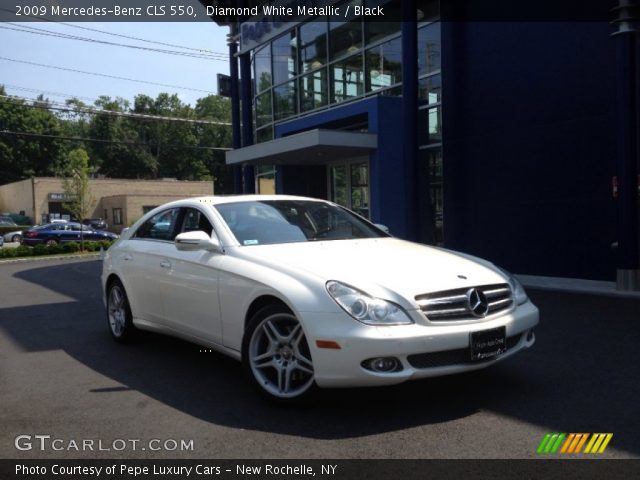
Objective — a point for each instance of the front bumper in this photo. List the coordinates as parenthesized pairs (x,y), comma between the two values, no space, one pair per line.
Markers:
(410,344)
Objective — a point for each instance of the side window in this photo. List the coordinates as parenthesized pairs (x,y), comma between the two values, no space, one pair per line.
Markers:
(195,220)
(159,227)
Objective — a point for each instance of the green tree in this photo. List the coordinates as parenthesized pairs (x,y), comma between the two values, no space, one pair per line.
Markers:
(76,187)
(28,143)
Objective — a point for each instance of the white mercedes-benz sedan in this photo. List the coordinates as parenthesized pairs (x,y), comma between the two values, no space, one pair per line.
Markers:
(306,293)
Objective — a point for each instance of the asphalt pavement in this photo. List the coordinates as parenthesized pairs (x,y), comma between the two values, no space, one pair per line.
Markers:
(61,375)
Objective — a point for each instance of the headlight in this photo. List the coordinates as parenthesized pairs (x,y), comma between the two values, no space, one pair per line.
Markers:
(516,287)
(366,309)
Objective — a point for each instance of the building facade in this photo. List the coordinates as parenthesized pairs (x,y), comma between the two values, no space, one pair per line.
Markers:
(500,139)
(118,201)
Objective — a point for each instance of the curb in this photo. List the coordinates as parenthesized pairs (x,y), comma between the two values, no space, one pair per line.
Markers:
(575,285)
(39,258)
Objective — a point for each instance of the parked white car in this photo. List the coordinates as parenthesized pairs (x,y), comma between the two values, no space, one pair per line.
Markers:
(14,236)
(306,293)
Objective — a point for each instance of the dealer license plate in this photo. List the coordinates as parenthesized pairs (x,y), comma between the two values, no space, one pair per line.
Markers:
(488,344)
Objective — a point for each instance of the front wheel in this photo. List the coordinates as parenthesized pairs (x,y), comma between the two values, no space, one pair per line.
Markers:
(276,355)
(16,238)
(51,242)
(119,316)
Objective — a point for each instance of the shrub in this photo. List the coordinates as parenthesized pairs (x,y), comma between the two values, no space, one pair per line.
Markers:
(91,246)
(23,251)
(40,249)
(105,244)
(70,247)
(55,249)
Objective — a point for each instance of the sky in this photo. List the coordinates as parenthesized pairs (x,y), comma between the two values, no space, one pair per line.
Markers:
(178,70)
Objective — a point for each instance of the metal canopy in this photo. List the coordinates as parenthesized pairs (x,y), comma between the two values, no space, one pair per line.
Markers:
(306,148)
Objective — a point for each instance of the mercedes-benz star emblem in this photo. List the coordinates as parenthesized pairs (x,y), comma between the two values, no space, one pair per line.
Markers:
(477,303)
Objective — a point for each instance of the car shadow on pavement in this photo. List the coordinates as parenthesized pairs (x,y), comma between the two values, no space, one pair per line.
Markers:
(581,376)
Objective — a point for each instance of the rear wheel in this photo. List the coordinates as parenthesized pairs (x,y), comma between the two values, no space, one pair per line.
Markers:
(51,241)
(119,316)
(16,238)
(276,355)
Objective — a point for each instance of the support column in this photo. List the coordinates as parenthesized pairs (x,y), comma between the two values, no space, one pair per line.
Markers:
(235,106)
(628,159)
(410,114)
(247,119)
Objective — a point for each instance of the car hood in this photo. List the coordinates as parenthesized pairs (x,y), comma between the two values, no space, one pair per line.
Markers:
(384,267)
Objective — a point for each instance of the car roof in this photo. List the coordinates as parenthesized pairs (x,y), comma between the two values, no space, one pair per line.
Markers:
(222,199)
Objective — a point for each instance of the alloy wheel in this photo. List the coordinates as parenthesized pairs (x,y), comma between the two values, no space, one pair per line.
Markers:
(279,357)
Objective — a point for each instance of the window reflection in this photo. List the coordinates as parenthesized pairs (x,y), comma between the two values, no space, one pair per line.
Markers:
(262,68)
(347,79)
(313,45)
(313,90)
(384,64)
(284,57)
(263,109)
(430,90)
(345,36)
(284,99)
(429,49)
(376,30)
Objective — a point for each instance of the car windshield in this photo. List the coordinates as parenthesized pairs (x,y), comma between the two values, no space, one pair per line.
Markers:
(286,221)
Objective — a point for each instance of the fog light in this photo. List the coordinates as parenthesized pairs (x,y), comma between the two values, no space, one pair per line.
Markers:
(383,364)
(530,335)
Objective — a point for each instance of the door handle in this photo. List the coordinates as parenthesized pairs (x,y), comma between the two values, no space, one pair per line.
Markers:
(127,258)
(165,264)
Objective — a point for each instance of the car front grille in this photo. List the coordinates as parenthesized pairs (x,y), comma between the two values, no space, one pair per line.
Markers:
(445,358)
(453,305)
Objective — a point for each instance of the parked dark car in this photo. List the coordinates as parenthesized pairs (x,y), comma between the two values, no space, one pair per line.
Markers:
(53,233)
(95,223)
(1,240)
(7,221)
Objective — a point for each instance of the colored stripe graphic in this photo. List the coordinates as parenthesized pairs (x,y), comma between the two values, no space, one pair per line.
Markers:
(573,443)
(598,442)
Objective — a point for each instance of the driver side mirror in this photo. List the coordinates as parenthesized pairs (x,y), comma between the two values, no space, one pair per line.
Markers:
(197,240)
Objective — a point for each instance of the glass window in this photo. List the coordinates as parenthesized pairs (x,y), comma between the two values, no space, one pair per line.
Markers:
(347,78)
(430,90)
(195,220)
(161,226)
(339,187)
(313,89)
(262,67)
(284,100)
(285,221)
(263,109)
(264,134)
(313,45)
(266,180)
(384,65)
(284,50)
(429,49)
(436,192)
(360,188)
(427,10)
(429,125)
(376,30)
(147,208)
(345,36)
(117,216)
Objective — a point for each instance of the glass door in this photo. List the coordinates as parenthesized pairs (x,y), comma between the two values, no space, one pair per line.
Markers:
(349,185)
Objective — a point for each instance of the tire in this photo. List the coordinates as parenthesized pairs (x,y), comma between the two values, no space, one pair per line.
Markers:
(51,241)
(119,318)
(16,238)
(276,356)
